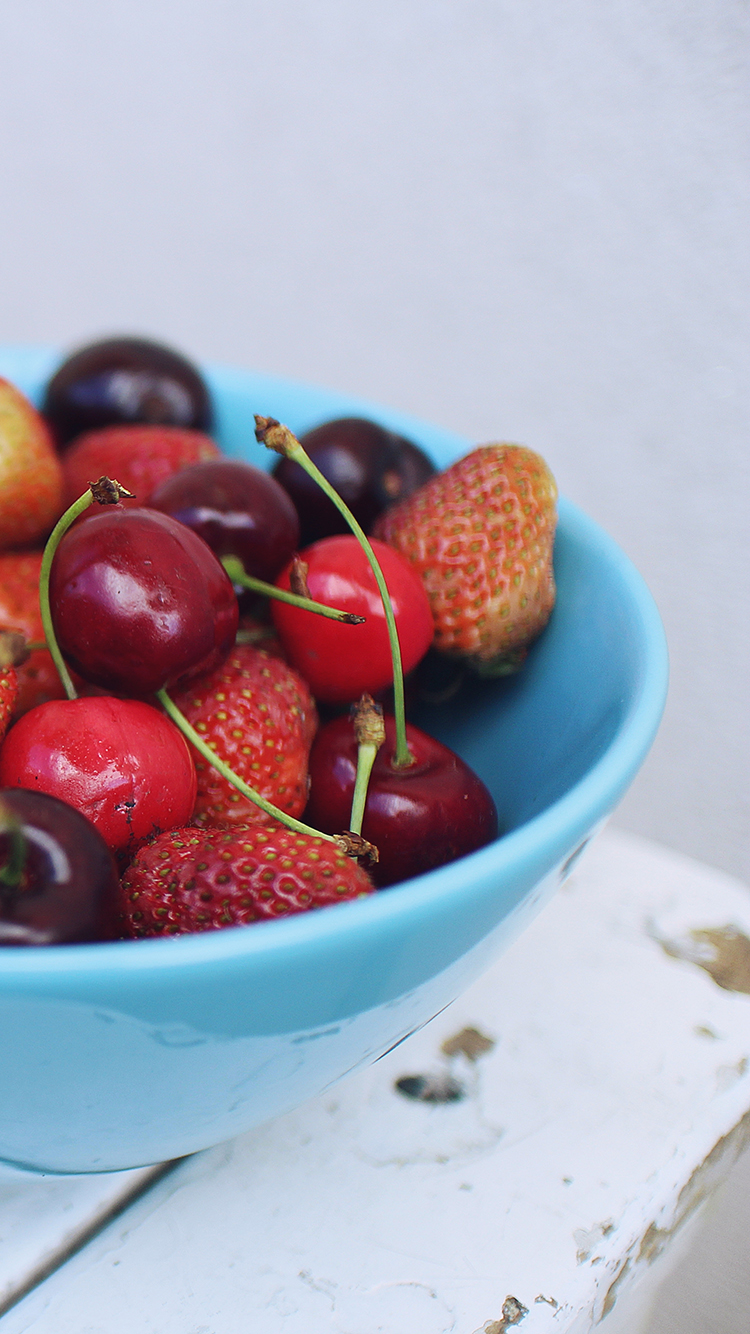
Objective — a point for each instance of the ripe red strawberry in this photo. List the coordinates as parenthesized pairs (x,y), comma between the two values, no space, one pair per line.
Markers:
(38,680)
(257,713)
(204,879)
(8,695)
(139,457)
(31,483)
(481,535)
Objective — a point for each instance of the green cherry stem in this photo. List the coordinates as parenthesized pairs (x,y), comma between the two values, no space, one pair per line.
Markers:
(369,729)
(275,436)
(236,572)
(53,542)
(106,492)
(179,719)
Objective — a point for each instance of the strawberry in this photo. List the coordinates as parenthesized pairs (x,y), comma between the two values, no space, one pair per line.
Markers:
(8,694)
(203,879)
(257,713)
(31,482)
(481,536)
(139,457)
(38,680)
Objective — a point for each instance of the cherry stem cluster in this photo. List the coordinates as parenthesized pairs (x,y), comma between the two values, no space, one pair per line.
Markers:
(369,729)
(108,492)
(275,436)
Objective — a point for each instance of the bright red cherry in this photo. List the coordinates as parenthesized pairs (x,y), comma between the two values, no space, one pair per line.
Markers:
(338,661)
(58,880)
(120,762)
(238,509)
(419,817)
(140,602)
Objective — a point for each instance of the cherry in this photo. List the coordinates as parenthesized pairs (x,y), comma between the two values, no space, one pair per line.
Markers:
(139,601)
(119,762)
(118,380)
(369,466)
(58,881)
(418,816)
(341,661)
(237,509)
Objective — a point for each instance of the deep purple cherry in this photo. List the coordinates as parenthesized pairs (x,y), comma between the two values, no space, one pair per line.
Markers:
(122,380)
(369,466)
(237,509)
(58,881)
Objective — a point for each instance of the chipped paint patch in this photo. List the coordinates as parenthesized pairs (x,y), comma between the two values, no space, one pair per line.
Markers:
(586,1239)
(727,1075)
(437,1088)
(721,951)
(513,1313)
(441,1086)
(612,1290)
(469,1042)
(703,1181)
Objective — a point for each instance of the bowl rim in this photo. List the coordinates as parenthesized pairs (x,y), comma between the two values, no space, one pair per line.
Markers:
(580,809)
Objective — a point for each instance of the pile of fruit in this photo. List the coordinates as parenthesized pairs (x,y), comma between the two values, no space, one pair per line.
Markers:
(202,671)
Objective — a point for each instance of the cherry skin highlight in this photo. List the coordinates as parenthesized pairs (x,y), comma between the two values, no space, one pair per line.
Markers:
(120,762)
(419,817)
(58,880)
(340,662)
(139,602)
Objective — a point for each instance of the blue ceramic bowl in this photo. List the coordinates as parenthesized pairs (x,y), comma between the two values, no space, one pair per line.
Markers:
(123,1054)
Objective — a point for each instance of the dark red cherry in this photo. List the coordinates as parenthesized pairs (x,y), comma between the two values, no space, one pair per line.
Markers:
(120,762)
(139,601)
(121,380)
(58,880)
(237,509)
(370,467)
(418,817)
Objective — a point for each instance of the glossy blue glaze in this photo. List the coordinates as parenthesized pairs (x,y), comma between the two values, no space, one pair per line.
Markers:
(128,1053)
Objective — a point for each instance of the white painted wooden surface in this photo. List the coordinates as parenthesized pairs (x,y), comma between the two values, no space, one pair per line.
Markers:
(615,1098)
(43,1219)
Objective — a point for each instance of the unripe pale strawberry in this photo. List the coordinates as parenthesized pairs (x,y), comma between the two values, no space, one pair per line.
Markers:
(481,536)
(31,480)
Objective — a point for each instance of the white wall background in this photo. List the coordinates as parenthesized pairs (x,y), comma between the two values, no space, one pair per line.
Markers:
(520,218)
